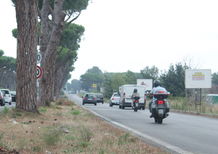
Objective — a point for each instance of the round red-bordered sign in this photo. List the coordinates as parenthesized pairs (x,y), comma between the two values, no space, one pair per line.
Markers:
(39,72)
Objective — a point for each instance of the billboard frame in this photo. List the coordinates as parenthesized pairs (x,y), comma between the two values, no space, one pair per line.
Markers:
(198,78)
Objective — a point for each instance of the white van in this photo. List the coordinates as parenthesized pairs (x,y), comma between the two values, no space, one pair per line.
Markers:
(126,92)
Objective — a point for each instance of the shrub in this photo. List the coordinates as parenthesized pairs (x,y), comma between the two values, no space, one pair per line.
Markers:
(75,112)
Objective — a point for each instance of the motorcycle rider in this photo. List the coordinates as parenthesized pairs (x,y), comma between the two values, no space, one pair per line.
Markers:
(135,94)
(157,87)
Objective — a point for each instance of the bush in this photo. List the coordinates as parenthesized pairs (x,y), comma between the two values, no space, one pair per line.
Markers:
(42,109)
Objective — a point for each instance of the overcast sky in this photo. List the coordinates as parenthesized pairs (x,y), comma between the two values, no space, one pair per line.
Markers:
(126,35)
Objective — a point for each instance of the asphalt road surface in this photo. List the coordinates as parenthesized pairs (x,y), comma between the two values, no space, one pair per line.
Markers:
(179,132)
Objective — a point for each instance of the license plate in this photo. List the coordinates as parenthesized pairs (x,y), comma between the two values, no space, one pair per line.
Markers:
(136,104)
(161,111)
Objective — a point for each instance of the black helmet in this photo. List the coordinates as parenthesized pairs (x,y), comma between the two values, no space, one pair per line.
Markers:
(135,91)
(156,83)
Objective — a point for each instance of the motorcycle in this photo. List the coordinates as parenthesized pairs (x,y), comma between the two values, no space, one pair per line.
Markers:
(135,104)
(160,106)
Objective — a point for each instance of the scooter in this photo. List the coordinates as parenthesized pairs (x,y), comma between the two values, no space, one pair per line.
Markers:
(160,107)
(135,104)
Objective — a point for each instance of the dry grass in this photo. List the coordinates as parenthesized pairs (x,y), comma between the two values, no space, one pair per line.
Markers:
(183,105)
(66,128)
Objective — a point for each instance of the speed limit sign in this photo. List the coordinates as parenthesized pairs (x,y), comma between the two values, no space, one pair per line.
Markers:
(38,72)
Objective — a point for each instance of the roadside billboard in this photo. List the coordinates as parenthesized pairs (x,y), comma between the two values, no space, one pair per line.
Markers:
(147,83)
(198,78)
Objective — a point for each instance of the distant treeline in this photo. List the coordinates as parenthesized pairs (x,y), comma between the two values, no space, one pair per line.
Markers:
(7,71)
(95,80)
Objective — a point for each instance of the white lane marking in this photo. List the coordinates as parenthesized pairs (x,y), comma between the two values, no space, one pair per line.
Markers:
(160,142)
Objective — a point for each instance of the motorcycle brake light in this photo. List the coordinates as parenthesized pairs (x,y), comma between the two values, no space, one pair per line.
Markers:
(160,102)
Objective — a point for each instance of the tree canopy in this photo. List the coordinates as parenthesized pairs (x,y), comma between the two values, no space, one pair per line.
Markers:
(150,73)
(174,79)
(7,71)
(92,76)
(59,41)
(215,78)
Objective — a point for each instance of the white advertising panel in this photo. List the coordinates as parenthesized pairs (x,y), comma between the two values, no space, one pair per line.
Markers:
(145,82)
(198,78)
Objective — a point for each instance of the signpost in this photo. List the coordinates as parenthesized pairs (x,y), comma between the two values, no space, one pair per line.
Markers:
(94,85)
(38,57)
(197,79)
(39,72)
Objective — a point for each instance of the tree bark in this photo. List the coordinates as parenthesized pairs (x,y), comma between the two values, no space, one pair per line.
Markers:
(61,77)
(50,54)
(26,13)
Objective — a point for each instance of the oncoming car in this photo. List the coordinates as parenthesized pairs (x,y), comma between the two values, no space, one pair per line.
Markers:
(89,98)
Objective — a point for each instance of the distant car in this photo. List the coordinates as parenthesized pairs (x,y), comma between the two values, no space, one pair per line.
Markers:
(89,98)
(100,98)
(2,100)
(13,96)
(115,99)
(7,96)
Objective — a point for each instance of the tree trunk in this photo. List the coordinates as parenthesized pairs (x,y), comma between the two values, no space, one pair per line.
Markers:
(26,13)
(58,75)
(60,78)
(50,54)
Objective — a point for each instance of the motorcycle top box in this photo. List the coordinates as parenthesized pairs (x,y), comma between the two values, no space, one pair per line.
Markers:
(160,105)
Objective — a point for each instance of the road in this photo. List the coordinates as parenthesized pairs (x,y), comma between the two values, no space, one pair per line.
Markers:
(179,132)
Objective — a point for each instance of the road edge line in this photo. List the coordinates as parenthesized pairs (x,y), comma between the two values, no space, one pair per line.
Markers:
(155,140)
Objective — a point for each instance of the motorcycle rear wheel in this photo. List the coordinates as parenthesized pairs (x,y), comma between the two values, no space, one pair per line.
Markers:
(158,120)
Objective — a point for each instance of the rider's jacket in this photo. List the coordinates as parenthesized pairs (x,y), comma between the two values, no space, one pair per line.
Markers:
(135,95)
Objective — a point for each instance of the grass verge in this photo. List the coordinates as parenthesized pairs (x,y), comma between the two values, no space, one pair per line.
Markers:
(181,104)
(65,128)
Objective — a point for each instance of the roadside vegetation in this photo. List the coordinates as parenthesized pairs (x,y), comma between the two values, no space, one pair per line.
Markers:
(65,128)
(185,105)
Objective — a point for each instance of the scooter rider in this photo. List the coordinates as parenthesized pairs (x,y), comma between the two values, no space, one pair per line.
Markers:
(158,87)
(135,94)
